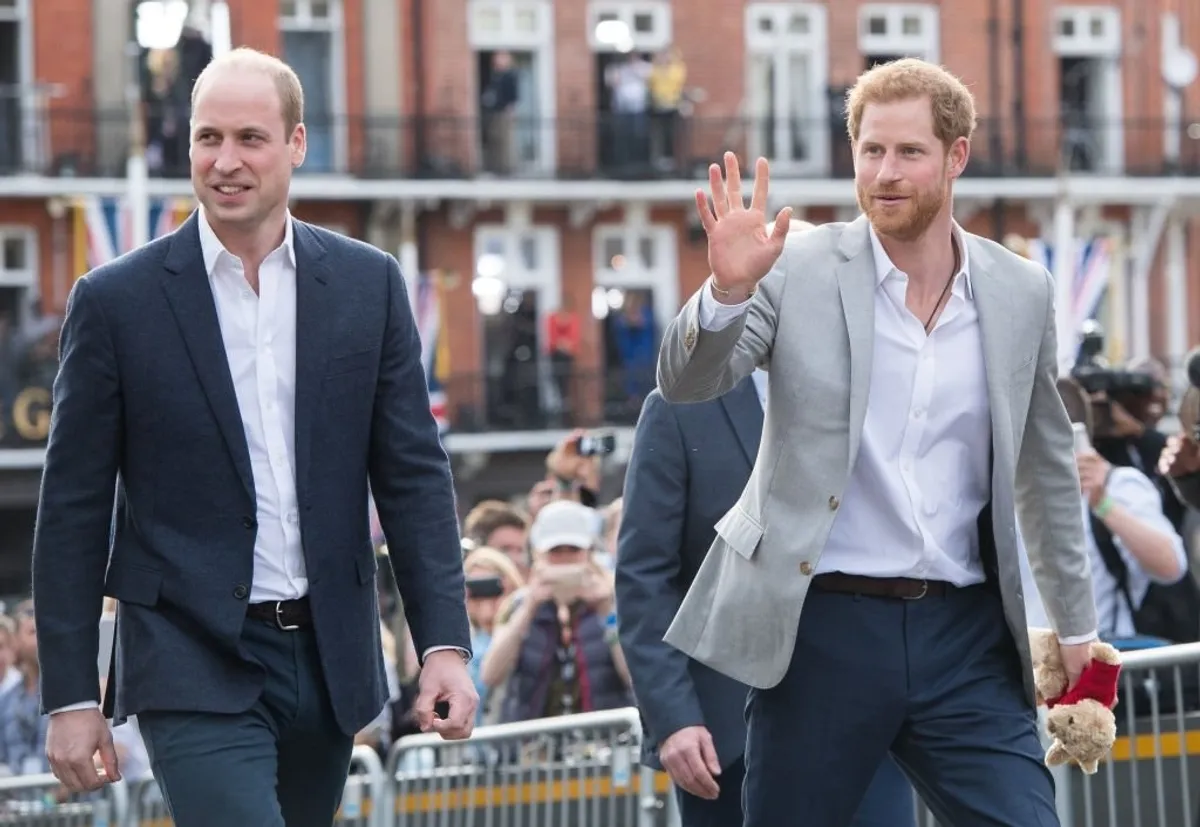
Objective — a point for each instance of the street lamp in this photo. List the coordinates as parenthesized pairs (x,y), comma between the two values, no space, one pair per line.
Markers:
(488,287)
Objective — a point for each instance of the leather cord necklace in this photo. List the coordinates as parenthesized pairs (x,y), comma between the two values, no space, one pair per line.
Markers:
(945,290)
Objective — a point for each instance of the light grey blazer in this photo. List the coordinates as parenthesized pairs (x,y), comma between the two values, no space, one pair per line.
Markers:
(811,324)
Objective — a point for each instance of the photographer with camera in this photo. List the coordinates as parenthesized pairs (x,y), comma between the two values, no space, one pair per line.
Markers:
(574,466)
(555,648)
(1126,406)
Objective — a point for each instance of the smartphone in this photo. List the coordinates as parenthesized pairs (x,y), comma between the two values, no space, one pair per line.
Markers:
(594,445)
(566,575)
(484,587)
(1083,444)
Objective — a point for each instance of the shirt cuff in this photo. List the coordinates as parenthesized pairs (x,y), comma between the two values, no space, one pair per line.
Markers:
(713,314)
(466,656)
(1075,640)
(74,707)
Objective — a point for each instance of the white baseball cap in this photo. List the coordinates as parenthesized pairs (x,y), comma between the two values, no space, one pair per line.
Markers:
(564,523)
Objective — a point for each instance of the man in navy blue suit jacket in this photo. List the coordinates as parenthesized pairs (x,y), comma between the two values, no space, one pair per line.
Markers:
(234,388)
(688,467)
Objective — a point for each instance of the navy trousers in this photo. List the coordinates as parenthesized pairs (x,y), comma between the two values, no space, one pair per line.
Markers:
(283,763)
(937,681)
(889,801)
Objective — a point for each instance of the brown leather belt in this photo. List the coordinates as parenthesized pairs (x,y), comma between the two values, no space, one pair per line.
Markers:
(287,615)
(897,588)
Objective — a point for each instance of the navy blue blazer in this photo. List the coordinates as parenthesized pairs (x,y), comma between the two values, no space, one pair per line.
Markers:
(689,465)
(144,406)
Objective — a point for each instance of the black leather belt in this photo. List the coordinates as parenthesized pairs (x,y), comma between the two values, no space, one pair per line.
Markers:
(287,615)
(897,588)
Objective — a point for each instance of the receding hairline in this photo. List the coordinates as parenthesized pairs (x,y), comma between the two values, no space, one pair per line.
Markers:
(242,60)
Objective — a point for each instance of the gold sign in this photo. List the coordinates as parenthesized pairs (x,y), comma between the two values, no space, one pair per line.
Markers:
(26,420)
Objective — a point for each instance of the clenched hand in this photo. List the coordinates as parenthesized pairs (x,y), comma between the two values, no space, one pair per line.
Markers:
(72,741)
(690,758)
(444,678)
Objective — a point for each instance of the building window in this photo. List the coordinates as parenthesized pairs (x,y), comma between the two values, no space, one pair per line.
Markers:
(517,287)
(1087,30)
(513,42)
(636,294)
(891,31)
(1087,41)
(312,34)
(787,85)
(629,26)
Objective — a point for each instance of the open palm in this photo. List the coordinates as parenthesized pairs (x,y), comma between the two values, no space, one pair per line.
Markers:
(740,250)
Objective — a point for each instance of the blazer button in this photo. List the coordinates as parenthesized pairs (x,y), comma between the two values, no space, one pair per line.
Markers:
(248,522)
(833,503)
(806,568)
(240,591)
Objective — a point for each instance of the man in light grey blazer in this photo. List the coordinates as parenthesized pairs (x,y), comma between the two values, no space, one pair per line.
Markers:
(866,584)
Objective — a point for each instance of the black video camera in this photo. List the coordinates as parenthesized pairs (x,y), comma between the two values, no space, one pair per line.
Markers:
(1103,383)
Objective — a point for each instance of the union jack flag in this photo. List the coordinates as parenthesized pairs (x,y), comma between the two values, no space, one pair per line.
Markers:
(424,293)
(1092,269)
(104,226)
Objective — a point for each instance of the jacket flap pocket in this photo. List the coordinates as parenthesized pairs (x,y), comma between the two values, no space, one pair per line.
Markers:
(740,532)
(132,584)
(350,362)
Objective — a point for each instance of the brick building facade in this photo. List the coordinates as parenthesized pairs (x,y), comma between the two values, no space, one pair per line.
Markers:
(396,140)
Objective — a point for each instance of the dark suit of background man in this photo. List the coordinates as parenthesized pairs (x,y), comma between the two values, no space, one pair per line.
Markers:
(688,467)
(245,377)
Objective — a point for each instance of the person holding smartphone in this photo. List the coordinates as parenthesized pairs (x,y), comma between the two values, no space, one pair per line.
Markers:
(491,576)
(555,649)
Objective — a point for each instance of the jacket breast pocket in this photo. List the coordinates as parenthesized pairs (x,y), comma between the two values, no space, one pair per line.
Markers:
(740,531)
(133,584)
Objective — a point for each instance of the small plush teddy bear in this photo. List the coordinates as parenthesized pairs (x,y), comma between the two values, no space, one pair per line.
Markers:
(1083,734)
(1080,720)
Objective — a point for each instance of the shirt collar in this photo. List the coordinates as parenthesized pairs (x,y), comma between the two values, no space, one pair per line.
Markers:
(212,248)
(884,265)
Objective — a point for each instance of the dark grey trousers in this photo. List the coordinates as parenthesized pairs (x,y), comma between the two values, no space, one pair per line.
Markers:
(283,763)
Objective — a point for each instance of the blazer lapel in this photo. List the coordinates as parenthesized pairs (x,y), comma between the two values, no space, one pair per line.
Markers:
(856,285)
(994,307)
(191,298)
(312,341)
(745,414)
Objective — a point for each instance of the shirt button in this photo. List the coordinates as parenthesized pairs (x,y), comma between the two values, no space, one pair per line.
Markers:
(240,591)
(918,413)
(293,517)
(833,503)
(806,568)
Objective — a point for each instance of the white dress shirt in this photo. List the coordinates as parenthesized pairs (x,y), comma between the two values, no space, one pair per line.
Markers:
(259,332)
(923,472)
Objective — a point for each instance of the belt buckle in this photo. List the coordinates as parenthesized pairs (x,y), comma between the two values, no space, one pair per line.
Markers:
(924,591)
(279,618)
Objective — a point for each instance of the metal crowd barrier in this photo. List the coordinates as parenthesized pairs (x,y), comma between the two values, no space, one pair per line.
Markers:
(143,805)
(1152,778)
(41,801)
(574,771)
(584,771)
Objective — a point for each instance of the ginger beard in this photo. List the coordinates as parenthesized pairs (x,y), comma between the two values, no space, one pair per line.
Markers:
(908,216)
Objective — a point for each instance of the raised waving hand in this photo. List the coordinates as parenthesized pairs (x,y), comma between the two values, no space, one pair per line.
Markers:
(740,250)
